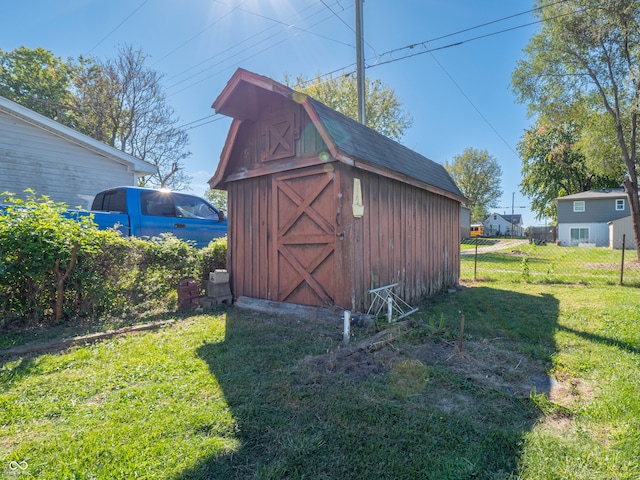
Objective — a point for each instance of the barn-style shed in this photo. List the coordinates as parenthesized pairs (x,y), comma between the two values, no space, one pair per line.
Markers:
(323,209)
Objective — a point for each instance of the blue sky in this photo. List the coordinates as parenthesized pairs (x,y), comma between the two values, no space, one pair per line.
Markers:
(459,93)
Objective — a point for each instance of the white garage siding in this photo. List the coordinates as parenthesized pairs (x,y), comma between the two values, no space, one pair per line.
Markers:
(597,233)
(40,154)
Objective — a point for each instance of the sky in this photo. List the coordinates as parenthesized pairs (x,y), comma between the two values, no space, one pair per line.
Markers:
(449,62)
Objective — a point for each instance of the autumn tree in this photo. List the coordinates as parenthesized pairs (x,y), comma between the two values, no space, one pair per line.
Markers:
(383,109)
(122,104)
(554,166)
(587,52)
(38,80)
(477,174)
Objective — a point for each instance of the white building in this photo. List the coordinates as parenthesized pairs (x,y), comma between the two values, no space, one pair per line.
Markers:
(41,154)
(497,225)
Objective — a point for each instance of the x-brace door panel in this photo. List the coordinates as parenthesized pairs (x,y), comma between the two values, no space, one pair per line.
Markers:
(305,236)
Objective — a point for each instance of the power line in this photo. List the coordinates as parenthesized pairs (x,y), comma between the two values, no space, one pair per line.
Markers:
(347,72)
(200,32)
(118,26)
(237,62)
(486,120)
(345,23)
(475,27)
(228,50)
(198,120)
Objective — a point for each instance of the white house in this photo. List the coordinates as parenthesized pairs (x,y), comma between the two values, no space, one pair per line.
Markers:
(503,225)
(41,154)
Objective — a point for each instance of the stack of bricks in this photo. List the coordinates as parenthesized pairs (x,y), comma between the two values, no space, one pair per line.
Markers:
(188,293)
(218,288)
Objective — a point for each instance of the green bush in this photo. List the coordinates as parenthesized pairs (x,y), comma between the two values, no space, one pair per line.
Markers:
(212,257)
(46,254)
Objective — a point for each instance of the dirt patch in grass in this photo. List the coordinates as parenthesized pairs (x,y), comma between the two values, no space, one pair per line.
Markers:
(411,367)
(612,266)
(567,391)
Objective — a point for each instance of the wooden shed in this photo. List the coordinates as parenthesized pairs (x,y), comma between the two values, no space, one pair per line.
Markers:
(323,209)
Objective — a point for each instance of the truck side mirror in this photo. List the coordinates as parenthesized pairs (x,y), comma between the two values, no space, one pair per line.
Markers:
(221,215)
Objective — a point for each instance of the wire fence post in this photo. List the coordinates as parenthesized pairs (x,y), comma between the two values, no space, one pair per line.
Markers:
(622,261)
(475,261)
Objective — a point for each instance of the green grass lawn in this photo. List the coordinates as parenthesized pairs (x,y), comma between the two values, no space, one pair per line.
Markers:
(550,264)
(547,386)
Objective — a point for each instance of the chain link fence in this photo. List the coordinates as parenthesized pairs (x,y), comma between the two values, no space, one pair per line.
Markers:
(486,259)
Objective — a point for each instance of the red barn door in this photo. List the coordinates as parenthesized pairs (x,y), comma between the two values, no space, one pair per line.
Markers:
(303,251)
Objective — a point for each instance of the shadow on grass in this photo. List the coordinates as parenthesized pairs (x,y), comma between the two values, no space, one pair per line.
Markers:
(611,342)
(306,407)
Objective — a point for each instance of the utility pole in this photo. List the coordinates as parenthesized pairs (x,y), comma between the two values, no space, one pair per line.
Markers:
(360,62)
(513,196)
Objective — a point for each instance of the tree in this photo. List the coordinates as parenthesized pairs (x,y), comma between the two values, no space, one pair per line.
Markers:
(37,80)
(218,198)
(553,166)
(383,109)
(477,175)
(587,52)
(118,101)
(123,104)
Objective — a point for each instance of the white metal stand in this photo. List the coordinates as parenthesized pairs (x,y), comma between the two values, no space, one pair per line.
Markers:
(385,298)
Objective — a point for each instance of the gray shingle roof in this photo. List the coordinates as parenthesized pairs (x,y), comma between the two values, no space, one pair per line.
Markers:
(603,193)
(356,140)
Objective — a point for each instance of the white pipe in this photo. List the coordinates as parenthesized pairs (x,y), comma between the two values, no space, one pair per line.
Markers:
(347,327)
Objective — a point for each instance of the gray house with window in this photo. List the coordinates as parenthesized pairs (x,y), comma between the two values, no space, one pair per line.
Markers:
(583,218)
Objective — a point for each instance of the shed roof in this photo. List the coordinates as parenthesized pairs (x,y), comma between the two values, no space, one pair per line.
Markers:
(25,114)
(348,141)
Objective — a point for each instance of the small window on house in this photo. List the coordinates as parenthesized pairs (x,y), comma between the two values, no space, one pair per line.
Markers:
(578,206)
(620,204)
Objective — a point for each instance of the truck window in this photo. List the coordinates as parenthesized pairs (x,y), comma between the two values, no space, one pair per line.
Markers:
(188,206)
(157,204)
(111,201)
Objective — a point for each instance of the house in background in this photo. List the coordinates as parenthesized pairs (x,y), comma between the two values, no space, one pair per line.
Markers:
(584,218)
(497,225)
(41,154)
(323,209)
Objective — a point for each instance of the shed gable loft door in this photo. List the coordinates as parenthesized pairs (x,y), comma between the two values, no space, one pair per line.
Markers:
(302,259)
(279,133)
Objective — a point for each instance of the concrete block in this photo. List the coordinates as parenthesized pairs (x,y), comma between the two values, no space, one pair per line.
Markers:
(218,289)
(219,276)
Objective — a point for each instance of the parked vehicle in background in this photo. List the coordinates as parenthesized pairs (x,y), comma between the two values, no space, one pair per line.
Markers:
(145,212)
(477,230)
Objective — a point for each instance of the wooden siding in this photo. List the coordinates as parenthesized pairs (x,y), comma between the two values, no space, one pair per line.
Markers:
(407,235)
(31,157)
(248,236)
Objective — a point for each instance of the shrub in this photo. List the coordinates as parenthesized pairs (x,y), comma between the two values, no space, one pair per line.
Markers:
(50,258)
(212,257)
(37,244)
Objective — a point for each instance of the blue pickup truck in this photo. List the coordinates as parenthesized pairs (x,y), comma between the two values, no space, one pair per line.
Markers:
(145,212)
